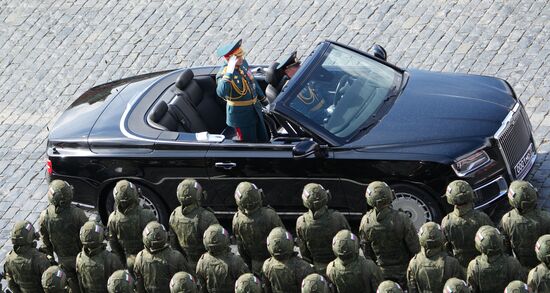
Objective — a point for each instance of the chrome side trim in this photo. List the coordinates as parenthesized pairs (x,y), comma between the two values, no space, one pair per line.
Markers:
(502,186)
(289,213)
(83,206)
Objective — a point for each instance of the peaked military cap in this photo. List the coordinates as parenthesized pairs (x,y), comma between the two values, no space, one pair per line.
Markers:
(289,60)
(227,49)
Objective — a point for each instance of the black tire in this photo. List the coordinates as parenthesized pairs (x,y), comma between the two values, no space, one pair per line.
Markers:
(417,203)
(148,200)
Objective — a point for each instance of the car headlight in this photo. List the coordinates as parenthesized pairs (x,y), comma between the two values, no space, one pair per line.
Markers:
(470,163)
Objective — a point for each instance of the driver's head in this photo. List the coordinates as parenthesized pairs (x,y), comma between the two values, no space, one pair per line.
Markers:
(290,65)
(292,69)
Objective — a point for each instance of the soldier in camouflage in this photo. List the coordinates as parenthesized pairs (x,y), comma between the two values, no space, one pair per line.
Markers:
(389,287)
(59,226)
(351,272)
(248,283)
(455,285)
(94,264)
(121,282)
(492,270)
(516,287)
(24,265)
(54,280)
(189,221)
(251,225)
(461,225)
(539,277)
(157,263)
(219,268)
(432,267)
(183,282)
(523,225)
(317,227)
(284,270)
(387,236)
(126,223)
(315,283)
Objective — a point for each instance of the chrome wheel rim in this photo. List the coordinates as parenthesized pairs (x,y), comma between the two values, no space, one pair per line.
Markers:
(417,210)
(147,204)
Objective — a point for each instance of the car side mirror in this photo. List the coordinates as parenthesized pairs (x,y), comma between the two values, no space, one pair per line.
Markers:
(306,148)
(378,52)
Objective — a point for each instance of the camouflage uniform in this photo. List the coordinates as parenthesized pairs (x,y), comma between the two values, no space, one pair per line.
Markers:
(317,227)
(454,285)
(460,226)
(432,267)
(516,287)
(183,282)
(523,225)
(351,272)
(251,225)
(157,263)
(387,236)
(284,270)
(219,268)
(121,282)
(389,287)
(59,226)
(492,270)
(248,283)
(24,265)
(189,221)
(126,223)
(539,277)
(54,280)
(315,283)
(94,264)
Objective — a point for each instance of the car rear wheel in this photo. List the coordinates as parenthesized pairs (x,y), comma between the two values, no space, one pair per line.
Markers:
(417,204)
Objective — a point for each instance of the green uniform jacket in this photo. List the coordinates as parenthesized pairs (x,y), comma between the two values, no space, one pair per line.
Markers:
(61,232)
(23,269)
(359,275)
(154,270)
(219,273)
(429,274)
(492,274)
(285,275)
(539,279)
(94,269)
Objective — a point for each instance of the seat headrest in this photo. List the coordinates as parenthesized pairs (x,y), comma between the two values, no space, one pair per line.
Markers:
(158,111)
(272,74)
(184,78)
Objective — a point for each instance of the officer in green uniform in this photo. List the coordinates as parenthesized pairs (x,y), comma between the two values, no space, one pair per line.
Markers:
(244,97)
(284,270)
(389,286)
(432,267)
(94,264)
(517,287)
(492,270)
(252,224)
(219,268)
(183,282)
(460,225)
(54,280)
(126,223)
(60,227)
(248,283)
(455,285)
(315,283)
(25,265)
(523,225)
(189,221)
(351,272)
(539,277)
(121,282)
(387,236)
(157,263)
(317,227)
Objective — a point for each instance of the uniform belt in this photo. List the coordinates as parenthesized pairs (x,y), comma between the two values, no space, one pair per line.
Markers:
(242,103)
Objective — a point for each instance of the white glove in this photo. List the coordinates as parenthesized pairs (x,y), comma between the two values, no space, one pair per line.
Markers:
(231,64)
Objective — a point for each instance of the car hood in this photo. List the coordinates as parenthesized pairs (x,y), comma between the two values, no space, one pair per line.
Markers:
(436,110)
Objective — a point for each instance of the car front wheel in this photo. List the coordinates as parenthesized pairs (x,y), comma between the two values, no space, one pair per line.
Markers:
(417,204)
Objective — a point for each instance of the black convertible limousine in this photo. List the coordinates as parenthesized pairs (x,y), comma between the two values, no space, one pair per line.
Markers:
(344,119)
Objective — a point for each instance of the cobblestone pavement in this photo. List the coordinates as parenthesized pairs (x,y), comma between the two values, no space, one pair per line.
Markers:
(51,51)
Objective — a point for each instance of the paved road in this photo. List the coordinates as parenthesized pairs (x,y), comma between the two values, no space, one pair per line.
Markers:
(52,51)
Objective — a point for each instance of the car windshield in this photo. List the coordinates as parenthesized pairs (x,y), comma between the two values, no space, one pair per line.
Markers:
(344,91)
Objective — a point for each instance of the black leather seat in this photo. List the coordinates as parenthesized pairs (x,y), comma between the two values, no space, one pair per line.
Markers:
(162,116)
(186,113)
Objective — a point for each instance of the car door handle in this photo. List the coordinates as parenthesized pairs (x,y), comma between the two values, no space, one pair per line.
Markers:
(225,166)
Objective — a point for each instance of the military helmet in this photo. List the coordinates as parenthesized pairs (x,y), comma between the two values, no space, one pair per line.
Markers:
(190,191)
(248,283)
(92,233)
(389,287)
(183,282)
(431,236)
(522,195)
(215,238)
(23,233)
(60,193)
(314,196)
(455,285)
(516,287)
(542,249)
(379,194)
(345,245)
(459,192)
(121,282)
(155,236)
(125,192)
(54,279)
(488,240)
(248,197)
(315,283)
(280,242)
